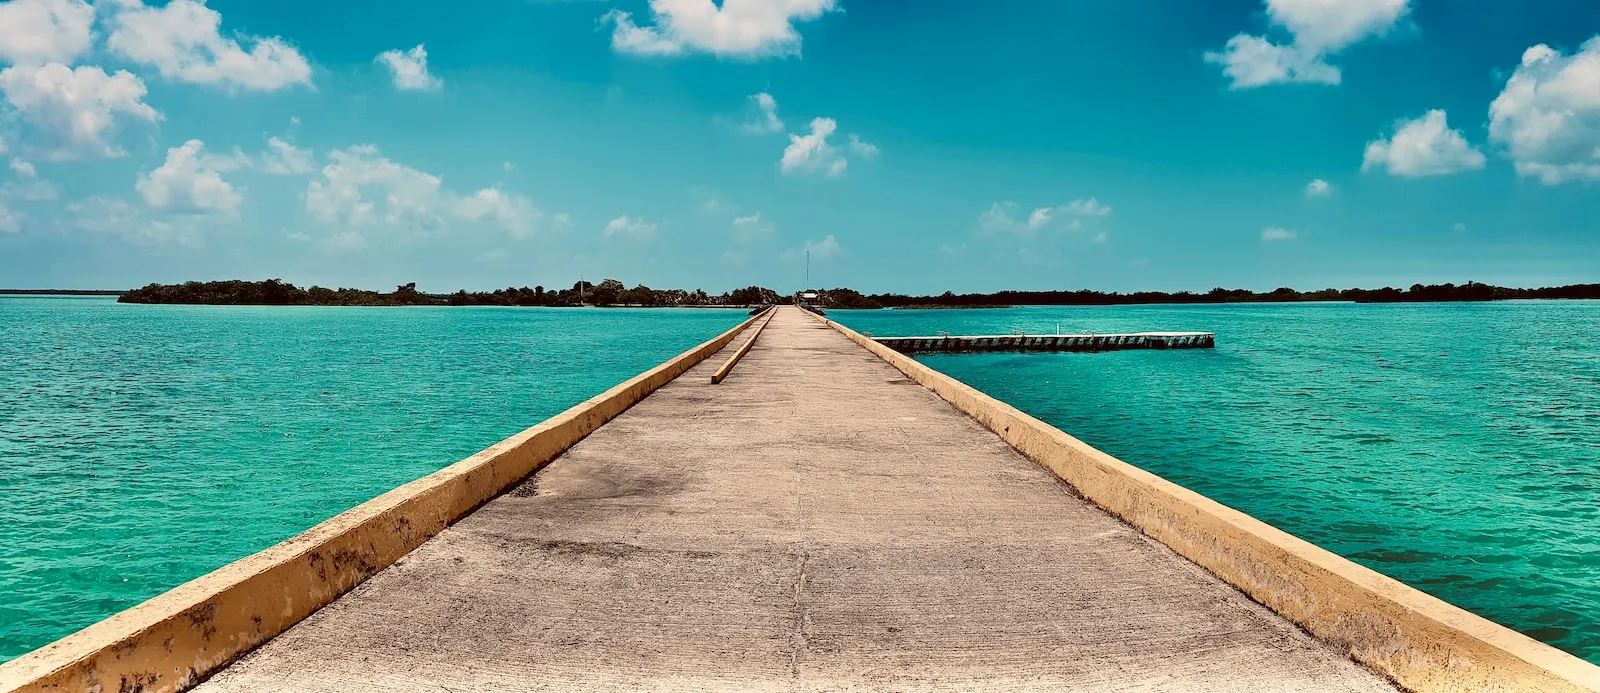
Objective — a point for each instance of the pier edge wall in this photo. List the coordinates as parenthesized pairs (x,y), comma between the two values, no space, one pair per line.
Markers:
(176,639)
(1421,642)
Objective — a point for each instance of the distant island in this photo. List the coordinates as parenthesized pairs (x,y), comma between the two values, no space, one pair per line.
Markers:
(61,292)
(612,292)
(274,292)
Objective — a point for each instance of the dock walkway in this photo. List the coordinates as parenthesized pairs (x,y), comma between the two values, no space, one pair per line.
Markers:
(817,522)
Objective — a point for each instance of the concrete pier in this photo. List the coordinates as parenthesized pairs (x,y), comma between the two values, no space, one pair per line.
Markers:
(1055,342)
(816,522)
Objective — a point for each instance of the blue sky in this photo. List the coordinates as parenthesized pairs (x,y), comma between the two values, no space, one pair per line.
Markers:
(910,146)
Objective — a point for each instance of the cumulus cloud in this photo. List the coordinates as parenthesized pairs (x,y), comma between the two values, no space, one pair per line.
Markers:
(1253,61)
(513,213)
(630,227)
(1425,146)
(410,69)
(75,109)
(736,28)
(23,169)
(1001,217)
(359,187)
(182,41)
(1278,233)
(865,150)
(1548,116)
(191,182)
(763,117)
(1318,29)
(1318,188)
(9,221)
(283,158)
(34,32)
(811,153)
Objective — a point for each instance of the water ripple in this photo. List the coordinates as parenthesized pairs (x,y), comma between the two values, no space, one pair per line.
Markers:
(142,446)
(1455,447)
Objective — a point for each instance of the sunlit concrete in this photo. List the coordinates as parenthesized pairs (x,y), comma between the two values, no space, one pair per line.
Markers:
(815,522)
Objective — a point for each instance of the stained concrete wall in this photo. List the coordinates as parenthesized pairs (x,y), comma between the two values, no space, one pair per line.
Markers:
(1423,643)
(176,639)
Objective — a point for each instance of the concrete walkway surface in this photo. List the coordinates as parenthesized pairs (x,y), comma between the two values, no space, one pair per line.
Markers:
(817,522)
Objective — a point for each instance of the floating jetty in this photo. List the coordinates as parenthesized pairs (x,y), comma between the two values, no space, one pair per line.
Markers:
(832,516)
(1055,342)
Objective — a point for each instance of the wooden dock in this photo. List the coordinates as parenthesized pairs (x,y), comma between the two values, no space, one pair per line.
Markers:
(1052,342)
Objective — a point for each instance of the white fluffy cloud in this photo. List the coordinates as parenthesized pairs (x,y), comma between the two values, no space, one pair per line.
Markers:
(1253,61)
(1548,116)
(283,158)
(360,187)
(34,32)
(191,182)
(1329,25)
(182,41)
(763,116)
(9,223)
(1278,233)
(74,109)
(410,69)
(865,150)
(1000,218)
(811,153)
(630,227)
(1318,188)
(736,28)
(23,169)
(1319,29)
(513,213)
(1425,146)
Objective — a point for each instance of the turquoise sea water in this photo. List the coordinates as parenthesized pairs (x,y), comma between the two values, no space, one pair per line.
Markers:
(1455,447)
(142,446)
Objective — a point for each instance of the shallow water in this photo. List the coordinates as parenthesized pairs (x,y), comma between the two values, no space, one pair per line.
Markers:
(1455,447)
(142,446)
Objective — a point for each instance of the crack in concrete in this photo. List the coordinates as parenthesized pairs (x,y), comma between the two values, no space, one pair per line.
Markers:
(800,641)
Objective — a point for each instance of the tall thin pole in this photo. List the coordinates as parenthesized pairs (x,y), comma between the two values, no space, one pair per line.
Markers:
(808,269)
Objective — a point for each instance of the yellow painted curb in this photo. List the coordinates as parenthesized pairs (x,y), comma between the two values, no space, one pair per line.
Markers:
(1423,643)
(178,638)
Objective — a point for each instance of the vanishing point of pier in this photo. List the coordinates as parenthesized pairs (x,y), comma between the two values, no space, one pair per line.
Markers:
(831,516)
(815,522)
